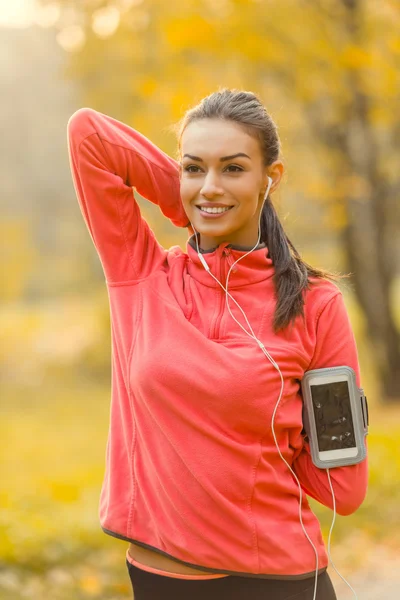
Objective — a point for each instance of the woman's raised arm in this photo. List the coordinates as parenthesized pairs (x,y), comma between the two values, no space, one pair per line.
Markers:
(108,159)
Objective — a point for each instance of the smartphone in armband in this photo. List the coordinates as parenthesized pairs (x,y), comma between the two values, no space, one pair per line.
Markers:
(335,416)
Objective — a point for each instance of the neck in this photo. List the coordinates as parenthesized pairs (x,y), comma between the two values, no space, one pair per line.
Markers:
(208,243)
(233,245)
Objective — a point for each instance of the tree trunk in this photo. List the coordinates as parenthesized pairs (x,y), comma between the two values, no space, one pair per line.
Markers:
(370,246)
(368,236)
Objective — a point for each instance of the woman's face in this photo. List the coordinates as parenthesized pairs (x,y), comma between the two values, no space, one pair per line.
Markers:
(222,166)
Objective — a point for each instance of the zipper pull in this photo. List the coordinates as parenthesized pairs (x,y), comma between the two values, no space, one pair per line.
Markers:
(229,259)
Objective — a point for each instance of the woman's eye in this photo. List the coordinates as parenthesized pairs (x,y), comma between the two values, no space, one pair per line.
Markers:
(189,167)
(235,168)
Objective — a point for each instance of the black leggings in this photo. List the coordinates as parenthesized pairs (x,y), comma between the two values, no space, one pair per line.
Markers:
(150,586)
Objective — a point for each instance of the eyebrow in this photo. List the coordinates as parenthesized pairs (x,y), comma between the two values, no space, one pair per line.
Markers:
(223,159)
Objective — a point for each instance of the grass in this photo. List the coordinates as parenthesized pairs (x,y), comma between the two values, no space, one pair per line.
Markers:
(52,464)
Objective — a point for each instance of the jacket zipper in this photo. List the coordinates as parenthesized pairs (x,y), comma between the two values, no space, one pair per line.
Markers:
(222,299)
(227,252)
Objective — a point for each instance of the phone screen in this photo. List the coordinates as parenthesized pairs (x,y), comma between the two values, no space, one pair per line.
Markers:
(333,418)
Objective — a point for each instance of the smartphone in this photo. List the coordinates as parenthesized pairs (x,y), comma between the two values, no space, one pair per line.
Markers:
(335,416)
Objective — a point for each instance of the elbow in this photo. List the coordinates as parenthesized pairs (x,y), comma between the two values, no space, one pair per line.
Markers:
(79,121)
(350,498)
(345,508)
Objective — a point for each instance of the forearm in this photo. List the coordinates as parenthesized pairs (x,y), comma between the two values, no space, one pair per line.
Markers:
(128,155)
(349,483)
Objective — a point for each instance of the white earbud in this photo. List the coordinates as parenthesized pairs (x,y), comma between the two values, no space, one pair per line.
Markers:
(270,182)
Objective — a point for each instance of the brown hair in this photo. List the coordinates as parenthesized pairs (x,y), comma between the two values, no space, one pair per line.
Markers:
(292,273)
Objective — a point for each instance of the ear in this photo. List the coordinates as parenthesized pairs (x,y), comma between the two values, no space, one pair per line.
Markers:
(275,171)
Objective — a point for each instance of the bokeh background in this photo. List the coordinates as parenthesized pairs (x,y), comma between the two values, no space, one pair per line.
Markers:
(328,72)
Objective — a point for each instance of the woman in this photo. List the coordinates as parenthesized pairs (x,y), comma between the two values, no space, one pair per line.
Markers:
(194,480)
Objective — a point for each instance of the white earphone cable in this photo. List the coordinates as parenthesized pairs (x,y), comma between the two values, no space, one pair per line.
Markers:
(330,534)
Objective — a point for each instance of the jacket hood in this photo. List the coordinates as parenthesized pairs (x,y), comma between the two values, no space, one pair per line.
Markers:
(254,268)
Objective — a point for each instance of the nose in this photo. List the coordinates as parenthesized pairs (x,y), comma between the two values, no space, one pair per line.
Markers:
(211,187)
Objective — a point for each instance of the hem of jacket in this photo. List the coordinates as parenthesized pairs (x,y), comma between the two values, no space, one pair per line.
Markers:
(211,570)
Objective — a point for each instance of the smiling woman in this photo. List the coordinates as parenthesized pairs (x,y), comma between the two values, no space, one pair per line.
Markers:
(222,198)
(195,480)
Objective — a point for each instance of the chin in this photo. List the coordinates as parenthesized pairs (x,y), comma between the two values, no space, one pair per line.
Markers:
(213,230)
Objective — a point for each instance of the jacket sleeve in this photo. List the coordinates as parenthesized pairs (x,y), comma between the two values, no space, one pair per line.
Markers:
(108,159)
(335,346)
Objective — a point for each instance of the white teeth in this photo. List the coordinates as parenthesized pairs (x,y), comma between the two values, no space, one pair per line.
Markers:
(214,210)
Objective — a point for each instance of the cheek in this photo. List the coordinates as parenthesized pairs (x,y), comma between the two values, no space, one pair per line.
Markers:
(188,190)
(245,189)
(248,197)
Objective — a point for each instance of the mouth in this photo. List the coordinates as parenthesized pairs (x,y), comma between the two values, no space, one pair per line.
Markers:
(213,211)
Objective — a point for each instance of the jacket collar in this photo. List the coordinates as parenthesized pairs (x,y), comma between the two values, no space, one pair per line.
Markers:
(254,268)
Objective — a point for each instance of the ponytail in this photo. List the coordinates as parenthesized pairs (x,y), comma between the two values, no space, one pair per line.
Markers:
(292,273)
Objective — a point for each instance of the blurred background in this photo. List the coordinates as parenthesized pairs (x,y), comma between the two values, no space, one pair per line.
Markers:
(328,72)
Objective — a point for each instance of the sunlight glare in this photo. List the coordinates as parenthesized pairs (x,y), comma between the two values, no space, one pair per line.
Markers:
(17,14)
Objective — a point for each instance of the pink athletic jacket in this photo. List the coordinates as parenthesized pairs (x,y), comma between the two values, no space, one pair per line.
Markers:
(192,470)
